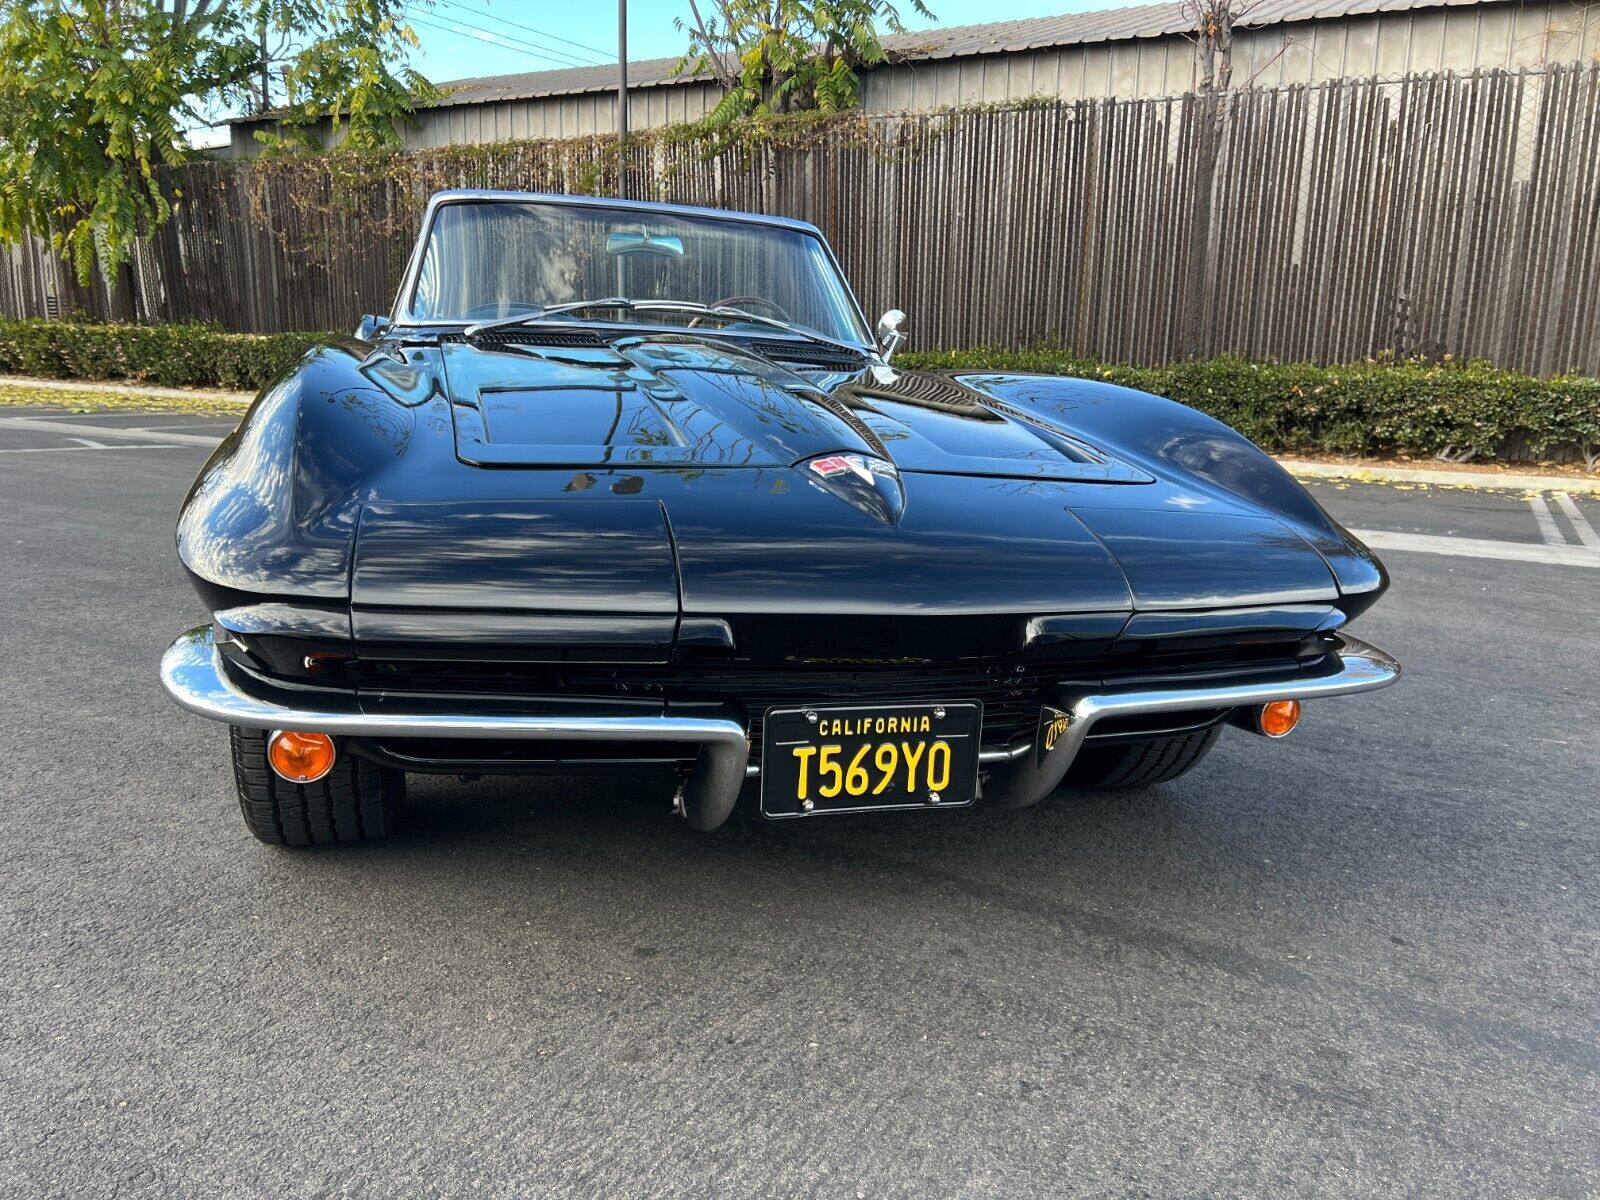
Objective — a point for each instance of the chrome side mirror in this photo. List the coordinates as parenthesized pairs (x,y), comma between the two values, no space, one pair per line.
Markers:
(371,326)
(890,338)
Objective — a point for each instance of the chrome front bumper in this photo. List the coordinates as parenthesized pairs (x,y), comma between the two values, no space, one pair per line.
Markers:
(193,675)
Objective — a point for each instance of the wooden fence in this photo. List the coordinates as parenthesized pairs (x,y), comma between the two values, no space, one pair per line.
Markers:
(1429,215)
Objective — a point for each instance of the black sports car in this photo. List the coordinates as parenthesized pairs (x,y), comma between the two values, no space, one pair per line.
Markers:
(625,483)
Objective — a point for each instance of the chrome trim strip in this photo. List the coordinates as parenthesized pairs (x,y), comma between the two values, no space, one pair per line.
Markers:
(192,674)
(1363,668)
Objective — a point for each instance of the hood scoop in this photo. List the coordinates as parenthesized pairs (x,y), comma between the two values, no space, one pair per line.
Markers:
(587,422)
(674,405)
(933,426)
(685,403)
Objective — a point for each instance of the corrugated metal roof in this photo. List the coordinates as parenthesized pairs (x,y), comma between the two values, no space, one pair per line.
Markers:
(1123,24)
(961,41)
(569,81)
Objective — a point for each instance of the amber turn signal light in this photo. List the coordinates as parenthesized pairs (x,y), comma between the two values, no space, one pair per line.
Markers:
(300,757)
(1279,718)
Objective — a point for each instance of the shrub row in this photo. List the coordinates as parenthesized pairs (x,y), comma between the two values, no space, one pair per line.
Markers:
(1459,410)
(1454,410)
(165,355)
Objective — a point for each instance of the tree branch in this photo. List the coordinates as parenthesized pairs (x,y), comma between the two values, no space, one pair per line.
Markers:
(724,76)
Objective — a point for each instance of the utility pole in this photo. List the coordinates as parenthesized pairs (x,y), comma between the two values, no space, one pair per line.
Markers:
(622,102)
(266,79)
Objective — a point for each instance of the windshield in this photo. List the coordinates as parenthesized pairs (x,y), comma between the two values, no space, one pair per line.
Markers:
(497,258)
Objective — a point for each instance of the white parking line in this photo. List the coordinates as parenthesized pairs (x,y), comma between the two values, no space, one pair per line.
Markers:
(1427,543)
(1580,523)
(110,431)
(1545,519)
(59,449)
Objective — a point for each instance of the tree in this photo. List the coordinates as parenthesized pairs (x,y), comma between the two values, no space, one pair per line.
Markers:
(96,97)
(775,56)
(1213,39)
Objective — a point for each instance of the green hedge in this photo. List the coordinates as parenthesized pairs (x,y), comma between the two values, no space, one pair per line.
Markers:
(1458,410)
(165,355)
(1455,410)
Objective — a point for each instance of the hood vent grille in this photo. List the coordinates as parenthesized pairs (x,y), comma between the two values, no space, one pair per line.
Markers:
(531,337)
(806,353)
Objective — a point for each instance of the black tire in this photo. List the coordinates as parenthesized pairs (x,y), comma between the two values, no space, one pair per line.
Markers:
(1140,764)
(357,801)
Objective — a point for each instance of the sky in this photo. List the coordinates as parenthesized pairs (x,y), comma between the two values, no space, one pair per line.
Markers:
(463,39)
(466,38)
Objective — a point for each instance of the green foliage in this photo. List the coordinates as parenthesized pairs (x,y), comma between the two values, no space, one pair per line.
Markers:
(352,71)
(776,56)
(1452,410)
(95,96)
(164,355)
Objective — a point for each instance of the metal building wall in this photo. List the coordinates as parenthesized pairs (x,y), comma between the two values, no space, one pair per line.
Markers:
(561,116)
(1452,38)
(545,117)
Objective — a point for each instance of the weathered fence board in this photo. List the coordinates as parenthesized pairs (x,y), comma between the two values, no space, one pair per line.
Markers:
(1430,215)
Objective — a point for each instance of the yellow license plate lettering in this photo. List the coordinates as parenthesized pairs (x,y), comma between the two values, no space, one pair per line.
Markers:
(804,753)
(912,753)
(887,759)
(856,779)
(938,766)
(828,765)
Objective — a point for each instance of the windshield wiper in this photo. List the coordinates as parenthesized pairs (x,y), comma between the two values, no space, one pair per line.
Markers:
(726,311)
(540,314)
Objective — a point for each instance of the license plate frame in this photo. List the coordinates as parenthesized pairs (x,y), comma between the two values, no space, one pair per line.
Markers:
(847,728)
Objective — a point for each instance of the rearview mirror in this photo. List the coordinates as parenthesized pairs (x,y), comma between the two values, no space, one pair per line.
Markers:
(644,243)
(890,338)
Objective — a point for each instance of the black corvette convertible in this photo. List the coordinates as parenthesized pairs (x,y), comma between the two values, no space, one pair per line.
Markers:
(633,484)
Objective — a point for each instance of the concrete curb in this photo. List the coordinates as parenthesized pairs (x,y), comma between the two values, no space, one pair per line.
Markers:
(125,389)
(1461,479)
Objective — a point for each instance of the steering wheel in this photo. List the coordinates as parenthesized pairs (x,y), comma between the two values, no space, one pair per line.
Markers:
(776,309)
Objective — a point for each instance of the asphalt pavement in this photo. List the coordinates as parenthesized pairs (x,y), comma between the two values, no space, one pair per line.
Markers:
(1359,962)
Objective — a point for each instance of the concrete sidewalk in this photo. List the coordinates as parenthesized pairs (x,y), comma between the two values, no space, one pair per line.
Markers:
(121,388)
(1524,482)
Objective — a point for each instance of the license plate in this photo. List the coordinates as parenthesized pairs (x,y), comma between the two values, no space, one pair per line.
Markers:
(859,758)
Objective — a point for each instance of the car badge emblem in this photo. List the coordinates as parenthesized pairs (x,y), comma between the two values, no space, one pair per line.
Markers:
(838,464)
(829,467)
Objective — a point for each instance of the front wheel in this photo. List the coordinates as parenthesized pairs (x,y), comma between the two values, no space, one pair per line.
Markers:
(1129,765)
(357,801)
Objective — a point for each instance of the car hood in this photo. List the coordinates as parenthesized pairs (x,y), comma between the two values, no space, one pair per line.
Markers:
(670,492)
(672,401)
